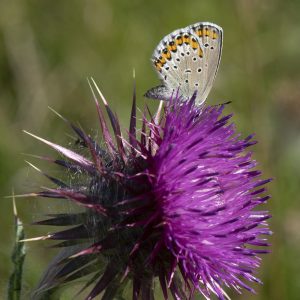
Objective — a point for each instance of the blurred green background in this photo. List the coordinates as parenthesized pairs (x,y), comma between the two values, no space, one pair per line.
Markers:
(48,48)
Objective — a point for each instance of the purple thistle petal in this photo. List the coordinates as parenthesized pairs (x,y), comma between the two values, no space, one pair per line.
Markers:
(106,134)
(136,288)
(114,122)
(132,126)
(78,232)
(53,179)
(73,264)
(80,198)
(82,161)
(110,272)
(61,220)
(163,285)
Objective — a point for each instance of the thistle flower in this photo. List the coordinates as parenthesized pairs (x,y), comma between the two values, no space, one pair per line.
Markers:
(175,202)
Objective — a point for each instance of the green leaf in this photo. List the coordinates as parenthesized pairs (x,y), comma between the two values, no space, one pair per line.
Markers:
(17,257)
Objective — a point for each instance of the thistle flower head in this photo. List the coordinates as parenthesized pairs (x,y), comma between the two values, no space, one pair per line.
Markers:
(176,202)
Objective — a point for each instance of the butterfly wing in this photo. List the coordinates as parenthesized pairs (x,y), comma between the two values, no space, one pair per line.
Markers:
(211,40)
(168,64)
(186,61)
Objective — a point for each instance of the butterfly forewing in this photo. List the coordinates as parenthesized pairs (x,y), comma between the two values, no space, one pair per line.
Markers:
(187,60)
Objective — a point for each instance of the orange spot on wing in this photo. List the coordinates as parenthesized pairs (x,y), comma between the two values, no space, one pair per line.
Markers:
(179,40)
(172,46)
(186,39)
(206,32)
(162,59)
(158,65)
(200,52)
(194,43)
(166,55)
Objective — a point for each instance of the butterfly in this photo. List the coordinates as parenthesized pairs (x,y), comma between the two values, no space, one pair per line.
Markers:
(187,61)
